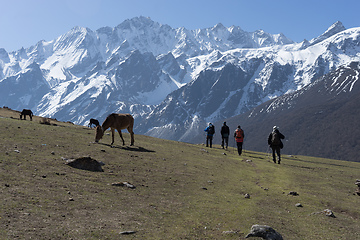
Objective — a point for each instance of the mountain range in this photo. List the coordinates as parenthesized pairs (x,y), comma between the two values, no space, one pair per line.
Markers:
(173,81)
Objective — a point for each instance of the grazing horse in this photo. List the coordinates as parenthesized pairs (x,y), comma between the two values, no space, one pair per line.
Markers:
(93,122)
(118,122)
(26,112)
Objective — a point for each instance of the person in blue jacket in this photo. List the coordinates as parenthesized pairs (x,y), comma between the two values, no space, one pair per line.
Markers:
(210,131)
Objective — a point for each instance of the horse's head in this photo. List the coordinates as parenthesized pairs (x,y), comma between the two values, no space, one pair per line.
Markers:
(99,133)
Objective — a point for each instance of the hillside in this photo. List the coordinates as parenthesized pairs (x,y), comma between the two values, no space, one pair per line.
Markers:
(183,191)
(319,120)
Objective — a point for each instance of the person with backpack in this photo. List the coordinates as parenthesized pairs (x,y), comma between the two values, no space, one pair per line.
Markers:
(274,141)
(210,131)
(225,132)
(239,138)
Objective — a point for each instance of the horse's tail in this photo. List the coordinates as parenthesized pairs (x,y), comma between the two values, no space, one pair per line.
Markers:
(131,120)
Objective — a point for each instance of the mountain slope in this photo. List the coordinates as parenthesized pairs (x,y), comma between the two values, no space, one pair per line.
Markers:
(182,191)
(319,120)
(25,89)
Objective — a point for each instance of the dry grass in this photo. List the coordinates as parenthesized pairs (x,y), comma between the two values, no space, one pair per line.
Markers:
(183,191)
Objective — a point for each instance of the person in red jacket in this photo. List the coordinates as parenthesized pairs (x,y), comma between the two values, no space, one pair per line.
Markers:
(239,138)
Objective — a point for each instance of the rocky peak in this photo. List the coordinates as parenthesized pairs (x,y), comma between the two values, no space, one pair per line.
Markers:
(332,30)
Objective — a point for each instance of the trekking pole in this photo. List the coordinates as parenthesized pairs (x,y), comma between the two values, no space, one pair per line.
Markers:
(243,148)
(234,146)
(268,152)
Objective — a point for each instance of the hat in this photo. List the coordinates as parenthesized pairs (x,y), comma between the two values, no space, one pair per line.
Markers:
(275,127)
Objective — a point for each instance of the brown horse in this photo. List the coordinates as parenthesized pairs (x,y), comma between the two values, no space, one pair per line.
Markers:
(26,112)
(118,122)
(93,122)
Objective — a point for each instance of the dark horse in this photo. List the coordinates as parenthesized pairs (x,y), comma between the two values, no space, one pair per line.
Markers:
(118,122)
(26,112)
(93,122)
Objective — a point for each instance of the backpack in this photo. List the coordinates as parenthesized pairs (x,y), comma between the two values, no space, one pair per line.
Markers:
(225,131)
(275,139)
(211,129)
(239,133)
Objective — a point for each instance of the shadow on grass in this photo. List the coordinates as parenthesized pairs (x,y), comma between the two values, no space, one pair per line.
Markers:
(128,148)
(255,154)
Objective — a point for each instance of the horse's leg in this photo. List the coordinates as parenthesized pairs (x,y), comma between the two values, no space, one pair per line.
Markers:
(121,136)
(30,117)
(131,134)
(112,135)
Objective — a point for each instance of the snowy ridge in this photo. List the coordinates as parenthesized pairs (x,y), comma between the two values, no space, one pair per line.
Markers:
(342,81)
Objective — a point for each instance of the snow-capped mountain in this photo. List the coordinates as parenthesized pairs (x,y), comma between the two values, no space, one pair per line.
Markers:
(320,119)
(127,68)
(233,82)
(171,80)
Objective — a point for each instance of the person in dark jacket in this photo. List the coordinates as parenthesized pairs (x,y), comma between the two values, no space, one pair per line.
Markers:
(239,138)
(225,132)
(274,141)
(210,131)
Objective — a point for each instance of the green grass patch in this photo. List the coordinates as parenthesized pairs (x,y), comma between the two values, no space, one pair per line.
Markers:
(183,191)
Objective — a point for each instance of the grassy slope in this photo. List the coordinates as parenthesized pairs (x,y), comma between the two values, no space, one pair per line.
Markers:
(183,191)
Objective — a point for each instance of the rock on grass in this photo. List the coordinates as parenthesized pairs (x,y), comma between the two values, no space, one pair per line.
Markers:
(85,163)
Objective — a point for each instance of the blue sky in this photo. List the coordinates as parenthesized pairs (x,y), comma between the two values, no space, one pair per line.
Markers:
(25,22)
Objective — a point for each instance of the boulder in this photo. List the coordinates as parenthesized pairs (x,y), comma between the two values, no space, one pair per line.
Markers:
(293,193)
(265,232)
(123,184)
(357,182)
(85,163)
(127,232)
(329,213)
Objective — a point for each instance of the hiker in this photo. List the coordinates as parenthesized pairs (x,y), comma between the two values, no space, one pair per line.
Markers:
(274,141)
(225,132)
(239,138)
(210,131)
